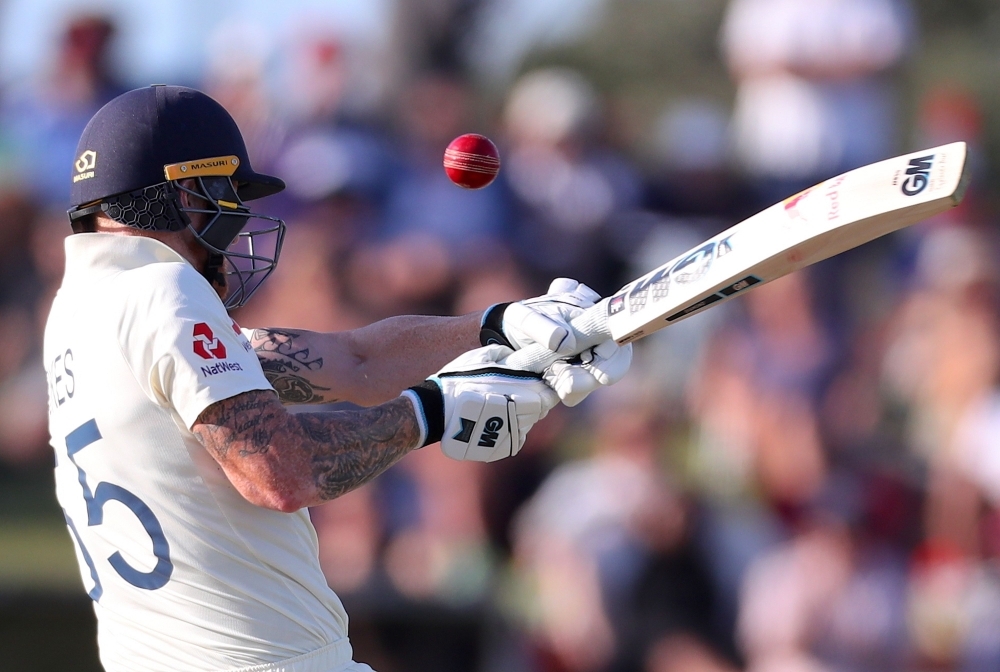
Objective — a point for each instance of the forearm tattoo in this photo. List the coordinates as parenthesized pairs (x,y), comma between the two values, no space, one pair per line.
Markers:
(358,445)
(326,454)
(287,366)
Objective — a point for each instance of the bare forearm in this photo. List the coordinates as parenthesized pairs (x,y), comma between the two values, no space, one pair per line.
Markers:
(365,366)
(288,461)
(403,351)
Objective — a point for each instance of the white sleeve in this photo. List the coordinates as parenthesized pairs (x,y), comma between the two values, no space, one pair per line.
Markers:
(183,348)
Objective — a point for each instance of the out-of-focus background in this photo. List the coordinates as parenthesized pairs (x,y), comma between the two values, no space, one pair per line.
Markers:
(804,480)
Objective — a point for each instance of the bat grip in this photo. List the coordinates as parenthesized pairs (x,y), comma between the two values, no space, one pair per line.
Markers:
(591,327)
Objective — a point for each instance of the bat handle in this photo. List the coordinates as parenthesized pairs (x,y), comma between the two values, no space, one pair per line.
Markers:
(591,327)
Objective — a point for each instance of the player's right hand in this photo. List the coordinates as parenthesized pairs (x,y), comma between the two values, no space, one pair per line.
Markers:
(479,408)
(602,365)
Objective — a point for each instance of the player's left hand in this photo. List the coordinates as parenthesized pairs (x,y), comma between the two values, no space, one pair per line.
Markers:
(543,320)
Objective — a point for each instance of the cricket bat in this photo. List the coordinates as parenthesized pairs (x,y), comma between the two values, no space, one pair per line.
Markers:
(827,219)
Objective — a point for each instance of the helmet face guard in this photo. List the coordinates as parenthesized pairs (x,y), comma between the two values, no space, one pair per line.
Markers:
(244,245)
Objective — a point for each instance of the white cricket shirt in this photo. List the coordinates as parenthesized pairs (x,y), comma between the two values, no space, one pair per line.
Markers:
(185,574)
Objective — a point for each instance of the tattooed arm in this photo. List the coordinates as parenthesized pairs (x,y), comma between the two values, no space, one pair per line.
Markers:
(365,366)
(285,461)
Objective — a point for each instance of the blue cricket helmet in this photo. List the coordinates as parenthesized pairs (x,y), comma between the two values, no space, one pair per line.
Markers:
(144,148)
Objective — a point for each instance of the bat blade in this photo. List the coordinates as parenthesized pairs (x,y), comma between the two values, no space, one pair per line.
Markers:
(834,216)
(827,219)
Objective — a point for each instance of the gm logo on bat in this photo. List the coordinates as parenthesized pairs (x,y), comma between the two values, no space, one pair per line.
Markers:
(918,175)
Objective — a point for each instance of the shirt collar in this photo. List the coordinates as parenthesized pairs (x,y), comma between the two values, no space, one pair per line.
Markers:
(111,252)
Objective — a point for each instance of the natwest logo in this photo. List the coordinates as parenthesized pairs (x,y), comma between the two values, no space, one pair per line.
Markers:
(206,345)
(220,367)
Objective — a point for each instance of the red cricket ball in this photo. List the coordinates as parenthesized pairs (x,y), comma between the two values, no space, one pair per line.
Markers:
(471,161)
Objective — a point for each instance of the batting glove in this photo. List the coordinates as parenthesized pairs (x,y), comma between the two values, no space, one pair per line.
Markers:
(602,365)
(478,408)
(545,321)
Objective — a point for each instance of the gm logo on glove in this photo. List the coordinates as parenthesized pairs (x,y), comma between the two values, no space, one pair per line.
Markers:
(490,435)
(491,432)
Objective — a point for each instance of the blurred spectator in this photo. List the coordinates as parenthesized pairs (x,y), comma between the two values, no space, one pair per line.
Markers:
(756,454)
(239,53)
(568,186)
(784,595)
(812,86)
(315,74)
(603,546)
(43,121)
(942,352)
(440,552)
(682,653)
(31,266)
(941,366)
(692,171)
(755,396)
(328,149)
(431,35)
(435,236)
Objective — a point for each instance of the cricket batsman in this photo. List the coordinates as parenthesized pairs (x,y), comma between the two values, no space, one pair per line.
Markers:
(184,480)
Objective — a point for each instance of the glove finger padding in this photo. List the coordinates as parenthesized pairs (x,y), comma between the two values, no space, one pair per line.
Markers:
(563,286)
(608,363)
(611,362)
(572,382)
(567,290)
(579,291)
(544,320)
(524,326)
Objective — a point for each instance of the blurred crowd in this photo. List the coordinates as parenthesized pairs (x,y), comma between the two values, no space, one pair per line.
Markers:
(806,479)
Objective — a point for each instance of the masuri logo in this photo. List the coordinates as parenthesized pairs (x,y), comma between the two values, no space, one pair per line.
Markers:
(85,165)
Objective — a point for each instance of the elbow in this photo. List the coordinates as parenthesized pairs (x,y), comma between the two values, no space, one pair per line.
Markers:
(287,505)
(277,502)
(274,494)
